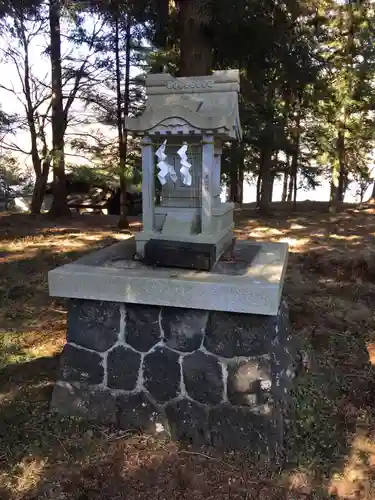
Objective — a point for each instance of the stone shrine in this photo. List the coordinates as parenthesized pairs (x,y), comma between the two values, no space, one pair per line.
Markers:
(184,125)
(201,348)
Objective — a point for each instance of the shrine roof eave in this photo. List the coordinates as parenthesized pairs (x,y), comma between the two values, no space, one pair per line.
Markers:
(227,126)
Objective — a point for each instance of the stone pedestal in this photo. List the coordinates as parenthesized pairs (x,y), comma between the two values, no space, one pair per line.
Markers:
(182,352)
(205,377)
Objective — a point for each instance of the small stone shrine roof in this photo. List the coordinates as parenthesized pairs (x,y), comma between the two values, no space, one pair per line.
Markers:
(203,104)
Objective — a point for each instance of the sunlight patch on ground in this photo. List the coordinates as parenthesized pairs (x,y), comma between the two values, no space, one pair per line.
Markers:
(371,353)
(29,473)
(29,247)
(300,482)
(296,244)
(22,346)
(355,480)
(344,238)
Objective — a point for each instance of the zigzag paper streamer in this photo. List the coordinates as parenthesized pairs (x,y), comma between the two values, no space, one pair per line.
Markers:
(185,168)
(165,168)
(172,173)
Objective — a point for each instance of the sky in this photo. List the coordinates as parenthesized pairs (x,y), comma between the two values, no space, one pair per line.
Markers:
(41,67)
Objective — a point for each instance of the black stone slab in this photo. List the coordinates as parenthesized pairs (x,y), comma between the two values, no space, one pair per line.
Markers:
(166,253)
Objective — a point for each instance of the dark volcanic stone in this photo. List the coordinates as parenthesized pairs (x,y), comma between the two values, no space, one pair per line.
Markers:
(123,367)
(247,380)
(93,324)
(243,428)
(188,422)
(161,372)
(135,411)
(85,401)
(142,326)
(283,324)
(230,334)
(184,328)
(203,378)
(79,365)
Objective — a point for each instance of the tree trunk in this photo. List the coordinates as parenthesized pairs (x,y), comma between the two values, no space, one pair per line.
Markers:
(270,191)
(295,159)
(59,203)
(295,190)
(196,44)
(237,154)
(338,172)
(285,180)
(334,196)
(41,169)
(122,133)
(40,188)
(285,187)
(372,197)
(240,185)
(265,172)
(259,189)
(342,167)
(233,185)
(290,189)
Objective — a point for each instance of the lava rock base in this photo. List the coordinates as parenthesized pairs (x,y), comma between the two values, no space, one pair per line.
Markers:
(221,379)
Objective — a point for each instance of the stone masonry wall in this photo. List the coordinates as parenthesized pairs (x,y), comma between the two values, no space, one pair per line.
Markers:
(204,377)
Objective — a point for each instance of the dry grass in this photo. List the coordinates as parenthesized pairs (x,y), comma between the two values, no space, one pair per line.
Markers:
(331,439)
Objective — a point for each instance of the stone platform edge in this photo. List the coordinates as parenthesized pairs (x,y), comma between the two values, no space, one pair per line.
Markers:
(92,277)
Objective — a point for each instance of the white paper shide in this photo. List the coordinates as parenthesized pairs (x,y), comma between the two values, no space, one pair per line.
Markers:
(185,166)
(164,167)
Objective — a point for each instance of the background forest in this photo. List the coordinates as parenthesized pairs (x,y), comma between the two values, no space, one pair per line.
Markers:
(77,68)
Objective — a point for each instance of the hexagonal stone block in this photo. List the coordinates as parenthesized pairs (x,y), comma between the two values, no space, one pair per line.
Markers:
(79,365)
(247,380)
(231,335)
(123,368)
(161,373)
(183,328)
(257,430)
(188,422)
(142,329)
(93,324)
(203,378)
(87,402)
(136,411)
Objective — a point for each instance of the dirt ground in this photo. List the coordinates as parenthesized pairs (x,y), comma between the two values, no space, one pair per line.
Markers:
(330,288)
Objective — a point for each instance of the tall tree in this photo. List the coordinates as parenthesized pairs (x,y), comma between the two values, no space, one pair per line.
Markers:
(196,40)
(122,112)
(59,205)
(20,31)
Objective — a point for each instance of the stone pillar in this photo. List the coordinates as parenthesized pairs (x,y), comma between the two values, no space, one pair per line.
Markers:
(215,378)
(207,183)
(217,174)
(148,185)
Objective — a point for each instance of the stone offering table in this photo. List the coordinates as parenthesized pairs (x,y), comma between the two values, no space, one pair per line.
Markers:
(184,351)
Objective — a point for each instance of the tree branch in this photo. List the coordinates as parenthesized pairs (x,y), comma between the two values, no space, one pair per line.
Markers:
(14,147)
